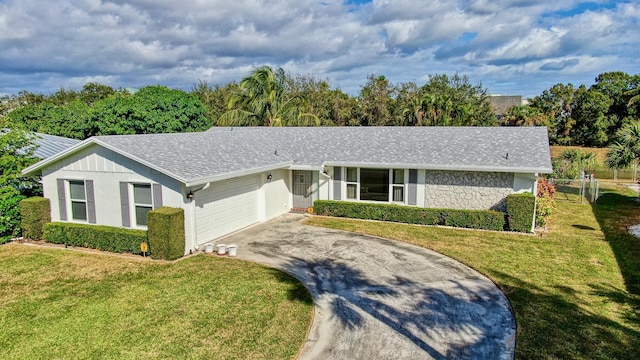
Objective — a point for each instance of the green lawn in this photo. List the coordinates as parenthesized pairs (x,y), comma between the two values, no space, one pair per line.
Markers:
(68,304)
(575,289)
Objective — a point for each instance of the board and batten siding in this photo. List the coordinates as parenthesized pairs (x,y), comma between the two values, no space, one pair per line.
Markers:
(105,170)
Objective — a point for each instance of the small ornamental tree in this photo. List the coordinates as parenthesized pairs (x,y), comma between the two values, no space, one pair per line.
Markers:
(546,202)
(16,153)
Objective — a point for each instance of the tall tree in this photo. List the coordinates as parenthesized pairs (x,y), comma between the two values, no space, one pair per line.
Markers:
(312,96)
(455,101)
(376,101)
(525,115)
(262,100)
(93,92)
(152,110)
(557,103)
(215,98)
(592,117)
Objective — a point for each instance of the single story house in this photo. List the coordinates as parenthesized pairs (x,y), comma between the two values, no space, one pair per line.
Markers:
(226,179)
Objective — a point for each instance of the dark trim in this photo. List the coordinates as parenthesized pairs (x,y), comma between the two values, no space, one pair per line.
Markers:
(124,204)
(62,200)
(412,187)
(337,183)
(91,202)
(157,195)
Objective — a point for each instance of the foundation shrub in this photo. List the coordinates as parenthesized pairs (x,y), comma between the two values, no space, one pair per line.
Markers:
(107,238)
(520,211)
(35,212)
(165,228)
(476,219)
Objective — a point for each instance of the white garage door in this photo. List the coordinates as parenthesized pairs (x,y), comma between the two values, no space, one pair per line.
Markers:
(225,207)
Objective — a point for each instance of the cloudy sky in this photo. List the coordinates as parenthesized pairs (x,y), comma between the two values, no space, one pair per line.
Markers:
(511,47)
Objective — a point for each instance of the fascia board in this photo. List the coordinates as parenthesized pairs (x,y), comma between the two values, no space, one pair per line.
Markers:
(235,174)
(504,169)
(42,163)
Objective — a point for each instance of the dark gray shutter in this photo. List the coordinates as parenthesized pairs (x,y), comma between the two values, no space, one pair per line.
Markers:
(62,201)
(412,187)
(91,202)
(124,204)
(337,183)
(157,195)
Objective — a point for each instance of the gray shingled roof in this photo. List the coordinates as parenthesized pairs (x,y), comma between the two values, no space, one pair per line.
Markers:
(226,152)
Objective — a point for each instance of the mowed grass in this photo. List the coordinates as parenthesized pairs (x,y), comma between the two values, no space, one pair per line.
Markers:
(575,289)
(57,304)
(601,153)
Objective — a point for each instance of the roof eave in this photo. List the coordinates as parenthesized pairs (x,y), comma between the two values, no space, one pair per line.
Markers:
(509,169)
(235,174)
(33,169)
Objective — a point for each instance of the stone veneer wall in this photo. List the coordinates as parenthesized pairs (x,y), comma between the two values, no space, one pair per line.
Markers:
(467,190)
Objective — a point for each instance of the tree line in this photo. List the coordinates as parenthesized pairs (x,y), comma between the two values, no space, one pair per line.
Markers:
(582,115)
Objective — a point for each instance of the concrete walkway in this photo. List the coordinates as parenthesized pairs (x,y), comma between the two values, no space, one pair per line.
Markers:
(382,299)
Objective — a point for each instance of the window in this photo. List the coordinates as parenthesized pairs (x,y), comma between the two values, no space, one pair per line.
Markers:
(352,183)
(142,202)
(78,199)
(397,188)
(374,184)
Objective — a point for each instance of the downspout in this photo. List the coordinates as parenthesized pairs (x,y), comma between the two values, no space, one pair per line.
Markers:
(192,204)
(324,173)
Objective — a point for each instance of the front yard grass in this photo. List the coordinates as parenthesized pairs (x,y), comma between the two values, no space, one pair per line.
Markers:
(575,289)
(58,304)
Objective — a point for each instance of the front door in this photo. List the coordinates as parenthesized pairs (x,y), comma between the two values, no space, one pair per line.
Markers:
(302,198)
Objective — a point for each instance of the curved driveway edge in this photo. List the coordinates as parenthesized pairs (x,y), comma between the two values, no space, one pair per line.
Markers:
(381,299)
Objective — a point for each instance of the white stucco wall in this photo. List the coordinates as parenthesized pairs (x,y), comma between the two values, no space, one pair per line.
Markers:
(525,183)
(107,169)
(275,194)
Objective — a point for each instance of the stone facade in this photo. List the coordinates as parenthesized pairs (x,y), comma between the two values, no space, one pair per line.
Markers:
(467,190)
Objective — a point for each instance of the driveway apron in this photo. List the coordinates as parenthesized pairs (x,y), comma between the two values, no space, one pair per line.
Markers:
(381,299)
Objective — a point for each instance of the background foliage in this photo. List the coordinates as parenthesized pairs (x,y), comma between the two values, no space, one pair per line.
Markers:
(16,153)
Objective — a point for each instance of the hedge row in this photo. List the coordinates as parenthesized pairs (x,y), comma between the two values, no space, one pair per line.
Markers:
(166,232)
(107,238)
(35,213)
(474,219)
(521,209)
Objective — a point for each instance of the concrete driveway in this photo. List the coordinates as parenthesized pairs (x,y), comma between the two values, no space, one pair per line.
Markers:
(381,299)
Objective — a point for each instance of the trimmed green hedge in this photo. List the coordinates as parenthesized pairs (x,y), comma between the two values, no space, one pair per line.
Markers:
(107,238)
(166,232)
(475,219)
(35,213)
(521,210)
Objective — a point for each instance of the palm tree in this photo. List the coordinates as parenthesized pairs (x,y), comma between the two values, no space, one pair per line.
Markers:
(635,96)
(626,150)
(263,100)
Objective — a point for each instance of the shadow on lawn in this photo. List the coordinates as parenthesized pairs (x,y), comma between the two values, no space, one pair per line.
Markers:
(297,291)
(615,213)
(555,324)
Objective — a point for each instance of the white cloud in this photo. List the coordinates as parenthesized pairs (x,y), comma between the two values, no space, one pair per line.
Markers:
(501,43)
